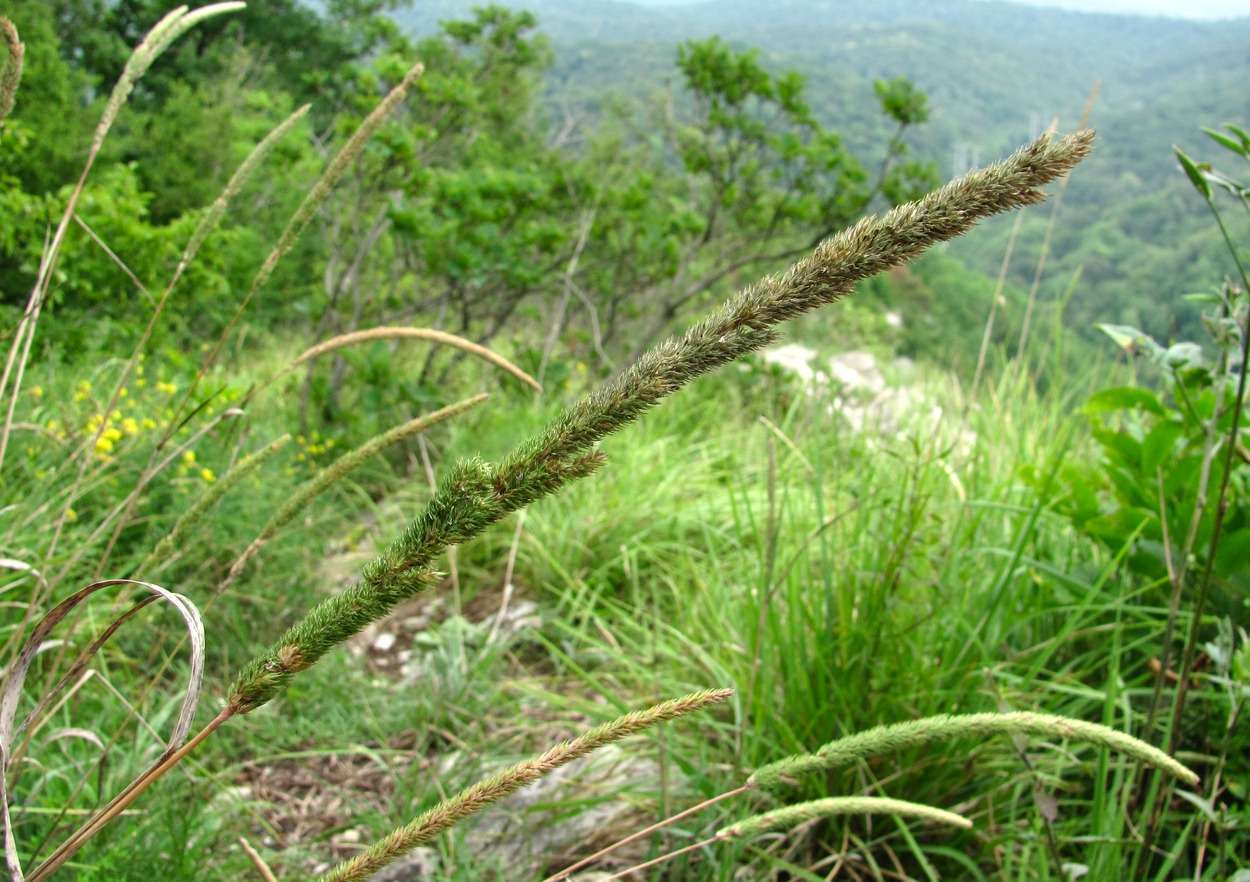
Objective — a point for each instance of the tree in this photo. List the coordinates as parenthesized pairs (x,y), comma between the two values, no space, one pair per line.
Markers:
(759,180)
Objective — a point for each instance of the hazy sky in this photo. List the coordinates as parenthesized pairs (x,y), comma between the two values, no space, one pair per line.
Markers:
(1176,8)
(1206,9)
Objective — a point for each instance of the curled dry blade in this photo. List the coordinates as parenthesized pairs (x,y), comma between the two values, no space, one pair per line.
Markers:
(12,690)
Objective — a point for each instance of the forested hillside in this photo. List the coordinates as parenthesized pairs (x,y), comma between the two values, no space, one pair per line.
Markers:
(996,74)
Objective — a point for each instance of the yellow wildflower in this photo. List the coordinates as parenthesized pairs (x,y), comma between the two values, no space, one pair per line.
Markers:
(104,444)
(207,475)
(130,426)
(167,388)
(71,515)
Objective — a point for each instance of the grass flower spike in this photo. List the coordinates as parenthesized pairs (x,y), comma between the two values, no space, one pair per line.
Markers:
(477,494)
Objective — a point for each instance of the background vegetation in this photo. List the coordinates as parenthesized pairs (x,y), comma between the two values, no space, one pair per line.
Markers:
(1027,522)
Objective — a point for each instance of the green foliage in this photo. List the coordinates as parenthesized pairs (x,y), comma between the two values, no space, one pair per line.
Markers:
(1169,495)
(47,136)
(99,297)
(1149,492)
(1165,454)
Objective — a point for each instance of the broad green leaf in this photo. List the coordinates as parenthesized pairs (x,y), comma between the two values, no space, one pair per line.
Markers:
(1224,182)
(1194,172)
(1120,525)
(1158,445)
(1240,133)
(1149,556)
(1223,140)
(1182,476)
(1130,339)
(1131,487)
(1233,552)
(1124,398)
(1199,803)
(1181,355)
(1083,483)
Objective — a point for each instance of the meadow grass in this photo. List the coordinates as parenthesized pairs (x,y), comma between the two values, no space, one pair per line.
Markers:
(839,579)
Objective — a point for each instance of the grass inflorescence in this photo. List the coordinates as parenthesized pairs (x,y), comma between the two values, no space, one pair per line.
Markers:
(476,495)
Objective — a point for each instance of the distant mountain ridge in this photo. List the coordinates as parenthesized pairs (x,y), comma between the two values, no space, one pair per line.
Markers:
(987,65)
(996,74)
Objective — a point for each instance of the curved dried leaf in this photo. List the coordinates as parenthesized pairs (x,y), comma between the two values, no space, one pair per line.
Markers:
(35,644)
(387,333)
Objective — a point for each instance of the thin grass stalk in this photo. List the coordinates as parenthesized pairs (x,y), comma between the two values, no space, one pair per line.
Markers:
(13,686)
(1023,532)
(117,512)
(803,812)
(656,861)
(468,802)
(334,173)
(308,208)
(899,736)
(258,863)
(647,831)
(201,232)
(331,475)
(1156,796)
(234,186)
(1046,240)
(192,516)
(988,334)
(116,258)
(1178,573)
(122,507)
(1221,765)
(122,801)
(476,494)
(1192,645)
(786,817)
(168,29)
(1221,505)
(391,333)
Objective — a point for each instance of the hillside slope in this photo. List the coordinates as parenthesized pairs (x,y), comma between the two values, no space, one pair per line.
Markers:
(996,74)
